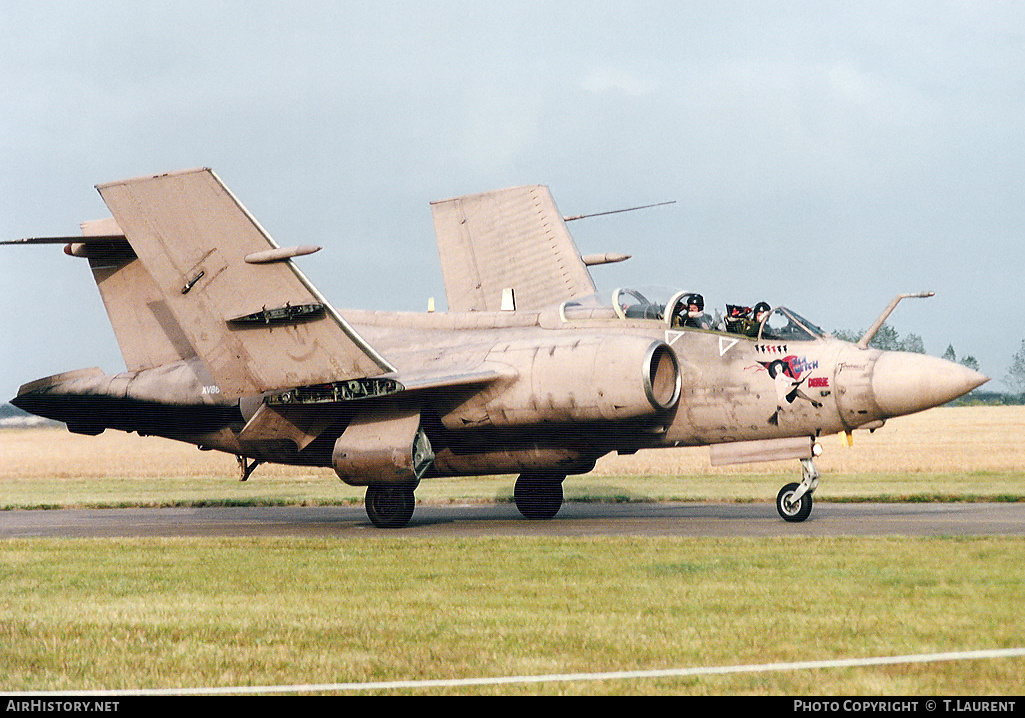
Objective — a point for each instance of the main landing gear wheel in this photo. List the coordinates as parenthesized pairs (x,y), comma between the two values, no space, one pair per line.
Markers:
(390,506)
(792,510)
(538,496)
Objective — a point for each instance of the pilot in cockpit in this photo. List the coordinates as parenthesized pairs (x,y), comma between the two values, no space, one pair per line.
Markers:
(695,316)
(761,311)
(745,320)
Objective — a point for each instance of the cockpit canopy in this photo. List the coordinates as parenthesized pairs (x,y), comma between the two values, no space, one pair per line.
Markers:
(671,308)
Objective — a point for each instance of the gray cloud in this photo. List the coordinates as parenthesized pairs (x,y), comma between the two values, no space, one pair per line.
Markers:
(823,155)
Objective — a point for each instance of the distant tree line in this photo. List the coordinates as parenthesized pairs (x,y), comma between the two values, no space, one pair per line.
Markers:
(886,338)
(10,410)
(1015,377)
(889,339)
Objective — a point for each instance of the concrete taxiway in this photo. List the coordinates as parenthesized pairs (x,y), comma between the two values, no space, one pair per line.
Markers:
(575,519)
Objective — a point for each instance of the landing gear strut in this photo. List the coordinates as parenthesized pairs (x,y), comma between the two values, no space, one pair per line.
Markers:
(538,494)
(793,502)
(390,506)
(247,467)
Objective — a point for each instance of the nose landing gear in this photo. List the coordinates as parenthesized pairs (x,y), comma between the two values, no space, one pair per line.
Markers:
(794,502)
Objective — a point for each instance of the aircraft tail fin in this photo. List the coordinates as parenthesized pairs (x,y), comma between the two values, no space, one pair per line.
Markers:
(236,298)
(147,333)
(507,239)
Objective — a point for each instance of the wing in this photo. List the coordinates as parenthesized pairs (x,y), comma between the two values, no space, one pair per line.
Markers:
(251,316)
(512,238)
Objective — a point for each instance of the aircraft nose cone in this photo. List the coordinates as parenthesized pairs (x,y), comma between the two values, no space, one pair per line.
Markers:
(904,383)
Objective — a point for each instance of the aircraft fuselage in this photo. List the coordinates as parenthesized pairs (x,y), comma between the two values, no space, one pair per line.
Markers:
(567,392)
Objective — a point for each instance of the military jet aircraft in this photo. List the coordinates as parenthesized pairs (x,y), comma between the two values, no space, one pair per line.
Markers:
(228,346)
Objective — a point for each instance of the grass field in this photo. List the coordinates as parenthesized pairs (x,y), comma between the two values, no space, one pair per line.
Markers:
(179,613)
(90,614)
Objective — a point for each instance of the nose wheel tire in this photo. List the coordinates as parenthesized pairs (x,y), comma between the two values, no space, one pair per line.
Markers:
(791,510)
(390,506)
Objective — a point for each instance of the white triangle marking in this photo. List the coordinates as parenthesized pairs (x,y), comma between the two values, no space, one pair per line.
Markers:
(724,346)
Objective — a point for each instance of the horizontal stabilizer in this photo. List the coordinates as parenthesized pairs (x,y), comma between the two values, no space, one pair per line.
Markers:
(146,332)
(77,239)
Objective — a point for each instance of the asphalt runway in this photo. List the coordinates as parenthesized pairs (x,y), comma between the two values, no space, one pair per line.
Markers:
(575,519)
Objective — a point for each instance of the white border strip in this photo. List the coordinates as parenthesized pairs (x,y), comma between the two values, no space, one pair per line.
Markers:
(555,677)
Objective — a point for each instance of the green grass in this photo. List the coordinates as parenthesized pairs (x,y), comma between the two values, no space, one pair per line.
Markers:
(151,613)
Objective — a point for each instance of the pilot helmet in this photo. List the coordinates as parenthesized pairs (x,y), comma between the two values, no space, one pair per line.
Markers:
(695,299)
(761,307)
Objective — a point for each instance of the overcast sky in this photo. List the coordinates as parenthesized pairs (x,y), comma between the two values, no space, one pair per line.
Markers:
(822,155)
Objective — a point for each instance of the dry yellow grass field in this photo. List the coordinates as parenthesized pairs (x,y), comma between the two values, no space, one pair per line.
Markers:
(948,453)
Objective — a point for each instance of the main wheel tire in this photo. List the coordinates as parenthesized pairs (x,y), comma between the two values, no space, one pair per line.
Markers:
(390,506)
(538,496)
(789,511)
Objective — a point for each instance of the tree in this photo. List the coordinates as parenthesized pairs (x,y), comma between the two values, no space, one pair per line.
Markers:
(912,343)
(970,362)
(1016,371)
(886,338)
(847,336)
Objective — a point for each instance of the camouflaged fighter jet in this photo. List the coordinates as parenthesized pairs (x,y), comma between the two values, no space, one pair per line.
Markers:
(229,347)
